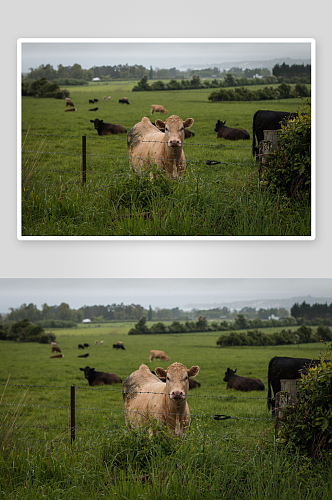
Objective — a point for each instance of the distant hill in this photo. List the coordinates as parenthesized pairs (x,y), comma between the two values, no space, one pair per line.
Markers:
(269,64)
(262,303)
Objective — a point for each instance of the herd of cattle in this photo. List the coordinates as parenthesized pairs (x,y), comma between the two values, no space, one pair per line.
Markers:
(161,143)
(162,394)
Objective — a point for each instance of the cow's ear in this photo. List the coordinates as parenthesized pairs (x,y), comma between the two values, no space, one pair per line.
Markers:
(82,369)
(235,370)
(92,121)
(160,124)
(160,372)
(193,371)
(188,123)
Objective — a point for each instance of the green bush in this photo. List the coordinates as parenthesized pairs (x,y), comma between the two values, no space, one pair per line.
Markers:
(25,331)
(307,424)
(43,88)
(288,170)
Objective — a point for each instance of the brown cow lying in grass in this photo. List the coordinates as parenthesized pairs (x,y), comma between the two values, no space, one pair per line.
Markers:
(242,383)
(145,397)
(148,146)
(100,378)
(159,355)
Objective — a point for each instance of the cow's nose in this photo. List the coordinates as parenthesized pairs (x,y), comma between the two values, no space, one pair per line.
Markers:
(177,394)
(174,142)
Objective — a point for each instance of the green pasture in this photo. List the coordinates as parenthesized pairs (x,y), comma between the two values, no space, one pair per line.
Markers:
(211,200)
(30,364)
(234,458)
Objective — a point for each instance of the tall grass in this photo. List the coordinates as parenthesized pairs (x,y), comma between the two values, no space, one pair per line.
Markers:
(132,465)
(234,458)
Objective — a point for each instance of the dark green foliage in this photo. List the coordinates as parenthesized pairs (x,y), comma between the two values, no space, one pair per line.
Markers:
(307,311)
(43,88)
(283,91)
(307,424)
(293,71)
(25,331)
(159,328)
(303,335)
(70,81)
(140,327)
(288,170)
(56,323)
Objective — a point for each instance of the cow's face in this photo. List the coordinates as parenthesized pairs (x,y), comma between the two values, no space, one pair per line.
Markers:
(87,371)
(96,122)
(228,374)
(219,125)
(174,130)
(177,380)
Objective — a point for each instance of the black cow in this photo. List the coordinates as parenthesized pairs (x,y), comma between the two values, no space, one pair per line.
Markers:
(95,100)
(124,101)
(100,378)
(83,355)
(80,346)
(187,133)
(91,101)
(86,345)
(192,383)
(232,134)
(285,368)
(108,128)
(242,383)
(267,120)
(93,109)
(118,346)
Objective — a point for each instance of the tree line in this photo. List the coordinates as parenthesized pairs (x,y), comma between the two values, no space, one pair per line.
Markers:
(67,317)
(126,72)
(303,335)
(309,312)
(283,91)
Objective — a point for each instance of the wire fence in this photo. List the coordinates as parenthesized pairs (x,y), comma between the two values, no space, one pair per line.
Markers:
(71,408)
(86,159)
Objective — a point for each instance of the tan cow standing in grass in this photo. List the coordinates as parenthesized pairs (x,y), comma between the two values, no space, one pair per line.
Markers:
(156,108)
(148,146)
(158,354)
(145,397)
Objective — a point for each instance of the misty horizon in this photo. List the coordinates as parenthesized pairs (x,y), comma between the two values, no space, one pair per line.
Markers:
(157,53)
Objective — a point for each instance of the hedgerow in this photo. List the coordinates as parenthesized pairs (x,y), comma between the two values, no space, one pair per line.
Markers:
(306,426)
(288,169)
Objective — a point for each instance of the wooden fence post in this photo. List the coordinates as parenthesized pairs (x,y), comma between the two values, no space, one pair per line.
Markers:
(287,396)
(72,414)
(268,145)
(83,159)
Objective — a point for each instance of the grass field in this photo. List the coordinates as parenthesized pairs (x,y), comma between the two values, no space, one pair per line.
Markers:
(211,200)
(214,461)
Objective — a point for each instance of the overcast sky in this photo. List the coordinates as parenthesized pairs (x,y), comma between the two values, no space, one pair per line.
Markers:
(157,292)
(162,55)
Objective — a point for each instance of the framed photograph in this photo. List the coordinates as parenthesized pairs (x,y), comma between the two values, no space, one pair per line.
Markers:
(166,139)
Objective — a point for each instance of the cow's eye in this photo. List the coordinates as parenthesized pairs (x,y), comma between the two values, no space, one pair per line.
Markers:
(186,378)
(167,378)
